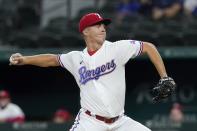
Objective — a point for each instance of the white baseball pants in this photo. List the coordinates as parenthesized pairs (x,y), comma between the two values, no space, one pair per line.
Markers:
(84,122)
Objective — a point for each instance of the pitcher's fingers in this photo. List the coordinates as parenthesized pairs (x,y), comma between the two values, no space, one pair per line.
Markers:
(13,63)
(16,58)
(15,55)
(18,54)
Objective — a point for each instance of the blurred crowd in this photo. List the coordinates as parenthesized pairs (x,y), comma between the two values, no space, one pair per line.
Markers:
(156,9)
(12,113)
(9,112)
(30,13)
(176,114)
(61,116)
(21,22)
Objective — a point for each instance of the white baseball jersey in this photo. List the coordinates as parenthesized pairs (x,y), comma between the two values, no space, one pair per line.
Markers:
(11,111)
(101,77)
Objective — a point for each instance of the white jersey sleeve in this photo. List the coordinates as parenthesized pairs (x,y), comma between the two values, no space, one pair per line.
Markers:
(65,61)
(126,49)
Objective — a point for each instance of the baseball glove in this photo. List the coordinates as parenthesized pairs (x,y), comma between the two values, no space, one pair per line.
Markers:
(163,89)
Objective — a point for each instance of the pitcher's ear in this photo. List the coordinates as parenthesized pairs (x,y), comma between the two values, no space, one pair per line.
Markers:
(85,32)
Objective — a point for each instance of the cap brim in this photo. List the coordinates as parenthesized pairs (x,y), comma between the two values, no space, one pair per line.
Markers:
(104,21)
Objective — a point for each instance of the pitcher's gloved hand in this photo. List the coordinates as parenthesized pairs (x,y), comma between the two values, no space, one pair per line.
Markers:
(163,89)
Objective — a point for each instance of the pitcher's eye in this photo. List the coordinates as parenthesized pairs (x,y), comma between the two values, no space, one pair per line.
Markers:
(98,25)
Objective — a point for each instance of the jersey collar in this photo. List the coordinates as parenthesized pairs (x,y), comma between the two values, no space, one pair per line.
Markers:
(94,52)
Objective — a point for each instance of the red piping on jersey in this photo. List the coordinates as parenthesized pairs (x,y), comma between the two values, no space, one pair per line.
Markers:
(59,60)
(141,48)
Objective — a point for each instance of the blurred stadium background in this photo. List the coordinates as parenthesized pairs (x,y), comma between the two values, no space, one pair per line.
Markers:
(51,26)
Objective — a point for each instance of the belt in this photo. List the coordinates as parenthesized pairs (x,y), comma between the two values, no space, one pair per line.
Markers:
(104,119)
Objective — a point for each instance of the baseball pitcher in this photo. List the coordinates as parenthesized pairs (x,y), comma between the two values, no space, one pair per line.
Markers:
(99,71)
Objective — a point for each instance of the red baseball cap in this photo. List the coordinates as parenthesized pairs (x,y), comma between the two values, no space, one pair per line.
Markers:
(92,19)
(64,114)
(4,94)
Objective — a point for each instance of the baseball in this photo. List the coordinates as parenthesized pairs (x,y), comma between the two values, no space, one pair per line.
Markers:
(13,61)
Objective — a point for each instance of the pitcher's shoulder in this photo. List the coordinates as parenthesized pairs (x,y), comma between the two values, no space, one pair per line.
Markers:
(71,54)
(116,42)
(75,52)
(109,43)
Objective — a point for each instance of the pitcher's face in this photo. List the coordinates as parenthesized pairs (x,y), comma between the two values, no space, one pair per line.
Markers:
(96,32)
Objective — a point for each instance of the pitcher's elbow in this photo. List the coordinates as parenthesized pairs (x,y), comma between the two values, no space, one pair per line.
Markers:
(147,46)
